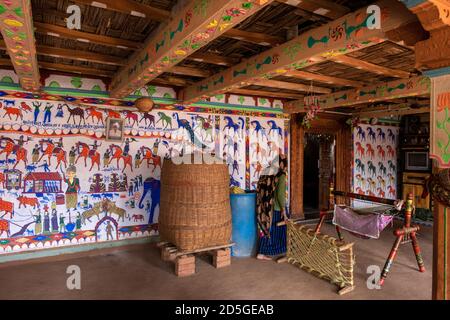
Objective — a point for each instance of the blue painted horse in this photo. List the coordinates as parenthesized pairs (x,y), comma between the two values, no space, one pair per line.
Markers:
(235,125)
(274,127)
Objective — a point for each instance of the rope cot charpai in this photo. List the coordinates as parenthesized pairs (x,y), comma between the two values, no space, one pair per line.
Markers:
(321,255)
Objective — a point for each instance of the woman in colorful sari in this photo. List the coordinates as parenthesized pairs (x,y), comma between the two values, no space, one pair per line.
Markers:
(271,209)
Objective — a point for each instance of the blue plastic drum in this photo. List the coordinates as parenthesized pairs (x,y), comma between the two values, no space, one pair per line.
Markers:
(243,211)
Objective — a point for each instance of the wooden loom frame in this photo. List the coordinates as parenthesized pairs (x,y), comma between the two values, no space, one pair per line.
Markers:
(405,234)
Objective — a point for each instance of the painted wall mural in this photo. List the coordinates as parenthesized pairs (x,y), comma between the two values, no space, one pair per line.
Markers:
(375,160)
(62,183)
(440,120)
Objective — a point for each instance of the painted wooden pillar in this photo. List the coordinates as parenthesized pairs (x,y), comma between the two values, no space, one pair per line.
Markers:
(296,169)
(325,171)
(344,159)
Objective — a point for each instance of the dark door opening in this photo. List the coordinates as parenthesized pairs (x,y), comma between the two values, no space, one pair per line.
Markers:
(311,175)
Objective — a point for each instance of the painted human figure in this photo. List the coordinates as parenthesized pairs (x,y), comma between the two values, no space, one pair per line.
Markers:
(106,157)
(136,184)
(48,112)
(59,143)
(62,225)
(147,207)
(54,221)
(46,223)
(109,230)
(73,187)
(78,222)
(37,110)
(35,154)
(59,112)
(131,188)
(140,180)
(72,156)
(45,166)
(156,146)
(137,159)
(125,179)
(95,146)
(126,149)
(20,141)
(38,222)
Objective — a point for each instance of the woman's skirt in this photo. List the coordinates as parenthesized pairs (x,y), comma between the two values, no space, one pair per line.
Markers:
(276,244)
(71,200)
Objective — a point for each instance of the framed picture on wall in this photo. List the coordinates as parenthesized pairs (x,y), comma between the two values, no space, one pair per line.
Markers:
(114,129)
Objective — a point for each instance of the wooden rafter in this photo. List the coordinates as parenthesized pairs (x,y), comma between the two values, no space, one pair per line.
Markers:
(193,27)
(63,32)
(213,59)
(291,86)
(402,88)
(325,8)
(130,7)
(254,37)
(16,26)
(190,71)
(322,78)
(395,112)
(265,93)
(75,69)
(170,81)
(370,67)
(352,34)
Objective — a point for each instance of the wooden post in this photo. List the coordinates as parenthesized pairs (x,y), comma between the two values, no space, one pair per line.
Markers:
(296,169)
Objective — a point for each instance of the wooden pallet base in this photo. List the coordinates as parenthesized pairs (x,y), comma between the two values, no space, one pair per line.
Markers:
(185,260)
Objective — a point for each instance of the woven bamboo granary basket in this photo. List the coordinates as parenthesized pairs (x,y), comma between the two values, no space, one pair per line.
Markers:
(195,210)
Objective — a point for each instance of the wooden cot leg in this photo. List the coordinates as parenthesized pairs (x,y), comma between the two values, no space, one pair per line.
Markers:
(339,233)
(323,214)
(417,252)
(390,259)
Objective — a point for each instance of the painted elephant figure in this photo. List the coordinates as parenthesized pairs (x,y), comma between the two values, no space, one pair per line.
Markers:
(154,186)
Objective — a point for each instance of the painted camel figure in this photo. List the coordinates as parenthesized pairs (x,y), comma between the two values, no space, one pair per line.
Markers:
(76,112)
(52,151)
(11,147)
(94,113)
(86,152)
(117,154)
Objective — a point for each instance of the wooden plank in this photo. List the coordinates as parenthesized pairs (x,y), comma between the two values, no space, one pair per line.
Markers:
(63,32)
(213,59)
(263,93)
(80,55)
(322,78)
(189,71)
(16,25)
(324,8)
(130,7)
(170,81)
(291,86)
(192,28)
(370,67)
(402,88)
(261,39)
(75,69)
(347,34)
(397,112)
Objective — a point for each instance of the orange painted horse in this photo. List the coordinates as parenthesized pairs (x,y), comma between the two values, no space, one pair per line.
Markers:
(149,156)
(94,113)
(85,153)
(11,147)
(52,151)
(113,114)
(117,153)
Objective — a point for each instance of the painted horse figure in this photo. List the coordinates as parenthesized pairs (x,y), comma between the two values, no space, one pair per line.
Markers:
(206,126)
(131,117)
(274,127)
(87,152)
(117,153)
(147,116)
(94,113)
(236,126)
(149,156)
(11,147)
(52,151)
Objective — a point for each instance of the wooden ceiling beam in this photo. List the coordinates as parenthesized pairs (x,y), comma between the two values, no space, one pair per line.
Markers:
(283,85)
(213,59)
(324,8)
(75,69)
(191,29)
(16,26)
(130,7)
(386,91)
(395,112)
(63,32)
(80,55)
(322,78)
(370,67)
(254,37)
(303,50)
(170,81)
(190,71)
(264,93)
